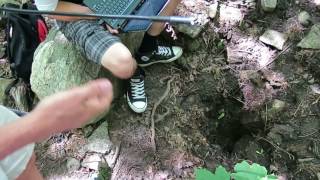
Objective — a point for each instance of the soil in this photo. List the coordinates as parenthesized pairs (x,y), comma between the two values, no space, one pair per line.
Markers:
(217,111)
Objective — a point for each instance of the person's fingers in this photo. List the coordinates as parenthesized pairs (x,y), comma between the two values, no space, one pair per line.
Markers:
(100,95)
(111,30)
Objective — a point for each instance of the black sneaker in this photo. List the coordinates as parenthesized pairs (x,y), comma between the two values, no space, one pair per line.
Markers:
(164,54)
(136,95)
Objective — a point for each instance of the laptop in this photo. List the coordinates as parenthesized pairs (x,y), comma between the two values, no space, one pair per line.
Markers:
(127,7)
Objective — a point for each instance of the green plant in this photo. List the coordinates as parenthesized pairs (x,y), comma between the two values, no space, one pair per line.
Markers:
(242,171)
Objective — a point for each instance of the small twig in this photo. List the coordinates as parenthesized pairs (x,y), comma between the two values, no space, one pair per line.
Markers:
(310,134)
(298,108)
(236,71)
(115,157)
(305,160)
(266,120)
(165,94)
(316,101)
(274,59)
(239,100)
(277,147)
(162,116)
(244,51)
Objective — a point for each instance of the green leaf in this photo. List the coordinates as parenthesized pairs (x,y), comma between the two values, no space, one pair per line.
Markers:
(222,174)
(203,174)
(221,116)
(254,169)
(272,177)
(244,176)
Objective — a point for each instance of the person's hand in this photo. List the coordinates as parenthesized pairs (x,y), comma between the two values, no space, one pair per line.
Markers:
(111,30)
(73,108)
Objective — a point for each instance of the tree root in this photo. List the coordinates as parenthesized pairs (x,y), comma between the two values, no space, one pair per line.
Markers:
(165,94)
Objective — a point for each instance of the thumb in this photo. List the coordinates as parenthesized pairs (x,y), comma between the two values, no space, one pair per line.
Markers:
(99,96)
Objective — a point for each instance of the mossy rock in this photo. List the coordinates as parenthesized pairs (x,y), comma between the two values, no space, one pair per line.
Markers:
(59,65)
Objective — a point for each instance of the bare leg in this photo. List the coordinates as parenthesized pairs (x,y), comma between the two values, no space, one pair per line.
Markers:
(157,28)
(119,61)
(31,171)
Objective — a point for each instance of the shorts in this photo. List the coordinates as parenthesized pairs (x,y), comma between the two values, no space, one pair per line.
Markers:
(91,38)
(14,164)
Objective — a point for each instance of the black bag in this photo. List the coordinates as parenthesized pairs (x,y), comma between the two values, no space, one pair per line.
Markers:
(23,33)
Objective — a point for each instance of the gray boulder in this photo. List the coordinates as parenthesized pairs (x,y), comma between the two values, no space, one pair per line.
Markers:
(58,66)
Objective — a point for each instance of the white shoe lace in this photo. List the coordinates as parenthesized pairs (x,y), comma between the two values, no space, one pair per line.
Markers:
(137,90)
(164,51)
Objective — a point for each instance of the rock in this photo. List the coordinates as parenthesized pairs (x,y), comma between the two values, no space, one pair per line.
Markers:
(212,10)
(311,41)
(275,137)
(304,18)
(192,31)
(230,15)
(92,162)
(196,9)
(284,131)
(3,85)
(277,106)
(73,164)
(315,88)
(274,38)
(58,66)
(99,141)
(10,1)
(268,5)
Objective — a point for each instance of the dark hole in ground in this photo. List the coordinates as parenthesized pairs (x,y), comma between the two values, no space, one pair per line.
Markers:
(224,127)
(223,122)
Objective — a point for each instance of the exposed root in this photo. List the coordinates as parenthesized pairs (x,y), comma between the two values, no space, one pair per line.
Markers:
(165,94)
(115,157)
(275,58)
(291,156)
(162,116)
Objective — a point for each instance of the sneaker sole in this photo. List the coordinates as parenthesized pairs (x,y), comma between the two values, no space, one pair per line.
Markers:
(163,61)
(136,110)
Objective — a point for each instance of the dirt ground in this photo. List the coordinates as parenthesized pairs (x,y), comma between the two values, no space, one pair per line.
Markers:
(206,109)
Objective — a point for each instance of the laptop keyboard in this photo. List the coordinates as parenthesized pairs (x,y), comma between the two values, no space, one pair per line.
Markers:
(113,7)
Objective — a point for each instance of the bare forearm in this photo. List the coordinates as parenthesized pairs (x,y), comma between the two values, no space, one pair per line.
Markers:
(22,132)
(72,8)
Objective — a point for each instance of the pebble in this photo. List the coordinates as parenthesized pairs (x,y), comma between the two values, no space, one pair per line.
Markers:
(73,164)
(304,18)
(311,41)
(91,162)
(268,5)
(212,11)
(274,38)
(315,88)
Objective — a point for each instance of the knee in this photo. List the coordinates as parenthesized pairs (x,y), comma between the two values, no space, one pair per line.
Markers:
(119,61)
(124,65)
